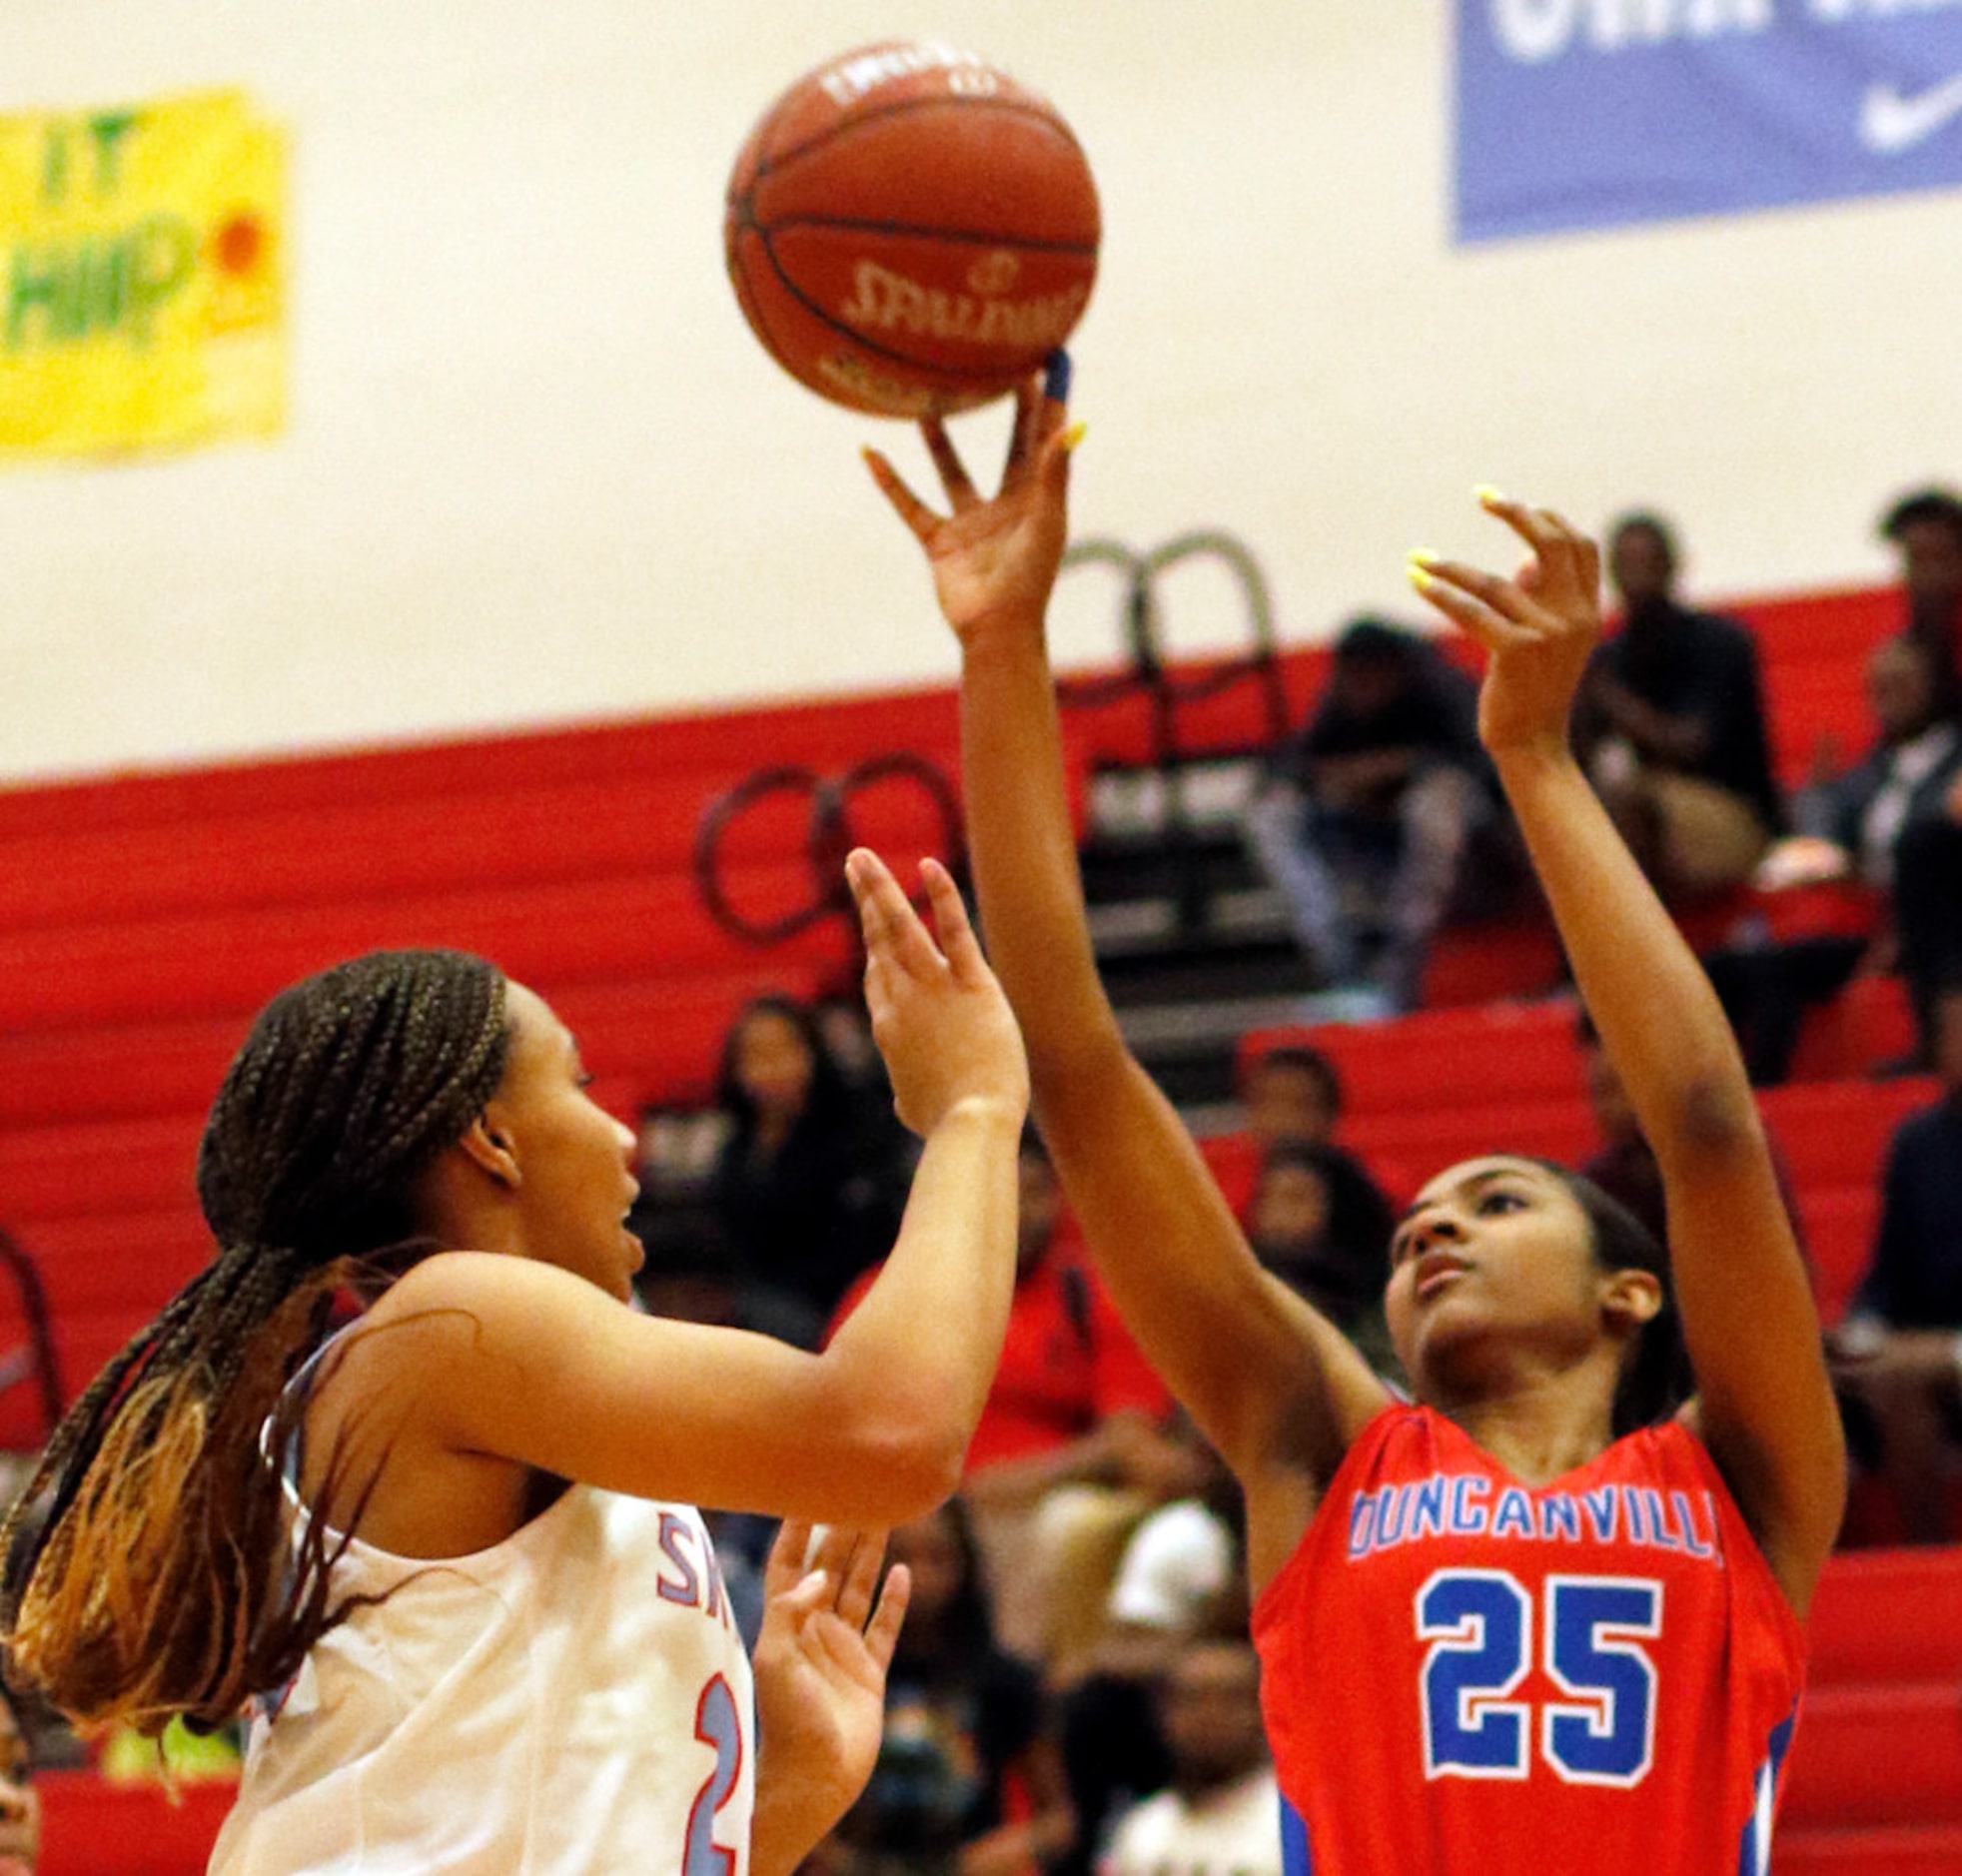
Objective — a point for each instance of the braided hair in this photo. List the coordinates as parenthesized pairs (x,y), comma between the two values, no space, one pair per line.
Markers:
(144,1570)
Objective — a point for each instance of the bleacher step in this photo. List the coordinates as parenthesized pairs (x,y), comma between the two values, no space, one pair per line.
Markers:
(1902,1850)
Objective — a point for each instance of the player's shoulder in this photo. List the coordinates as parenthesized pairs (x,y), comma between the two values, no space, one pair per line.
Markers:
(457,1301)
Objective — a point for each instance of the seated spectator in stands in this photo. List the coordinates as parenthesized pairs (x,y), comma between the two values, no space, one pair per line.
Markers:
(1671,727)
(810,1182)
(1181,1573)
(1624,1165)
(968,1778)
(1925,529)
(1375,810)
(1326,1235)
(1221,1813)
(1928,911)
(1899,1351)
(1848,825)
(1069,1449)
(1291,1092)
(1181,1578)
(20,1803)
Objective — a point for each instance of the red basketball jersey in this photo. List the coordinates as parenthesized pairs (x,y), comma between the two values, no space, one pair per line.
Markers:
(1463,1673)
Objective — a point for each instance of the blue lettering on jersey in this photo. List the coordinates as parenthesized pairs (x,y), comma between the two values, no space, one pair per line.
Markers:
(1461,1504)
(696,1580)
(1514,1518)
(677,1541)
(1559,1516)
(1468,1519)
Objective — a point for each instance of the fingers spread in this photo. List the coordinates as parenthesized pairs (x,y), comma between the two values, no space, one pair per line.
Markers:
(784,1568)
(950,921)
(1472,599)
(953,476)
(909,507)
(882,1633)
(1023,439)
(1563,551)
(893,928)
(861,1577)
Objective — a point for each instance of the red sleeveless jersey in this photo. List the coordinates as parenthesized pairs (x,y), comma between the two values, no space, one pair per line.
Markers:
(1463,1673)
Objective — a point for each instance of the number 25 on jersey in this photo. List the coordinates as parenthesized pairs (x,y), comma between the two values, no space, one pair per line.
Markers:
(1482,1634)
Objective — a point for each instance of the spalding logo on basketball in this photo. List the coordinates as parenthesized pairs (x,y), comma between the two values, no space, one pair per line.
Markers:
(911,231)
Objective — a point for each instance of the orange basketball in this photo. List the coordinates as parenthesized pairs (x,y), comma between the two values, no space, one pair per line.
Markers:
(910,230)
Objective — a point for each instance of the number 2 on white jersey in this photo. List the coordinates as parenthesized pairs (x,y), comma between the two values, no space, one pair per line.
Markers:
(1479,1624)
(717,1724)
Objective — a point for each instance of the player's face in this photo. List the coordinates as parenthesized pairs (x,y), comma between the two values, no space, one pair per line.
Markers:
(574,1160)
(1494,1259)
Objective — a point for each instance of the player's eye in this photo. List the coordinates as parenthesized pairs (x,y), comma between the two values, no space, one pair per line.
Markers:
(1498,1199)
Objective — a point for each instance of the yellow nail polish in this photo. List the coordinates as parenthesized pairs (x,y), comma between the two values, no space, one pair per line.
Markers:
(1074,434)
(1488,495)
(1419,578)
(1423,556)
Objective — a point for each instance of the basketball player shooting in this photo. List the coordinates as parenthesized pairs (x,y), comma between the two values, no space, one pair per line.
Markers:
(1545,1613)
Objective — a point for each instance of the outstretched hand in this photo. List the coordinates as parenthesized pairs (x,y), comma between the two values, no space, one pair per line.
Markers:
(821,1657)
(938,1015)
(1540,627)
(993,559)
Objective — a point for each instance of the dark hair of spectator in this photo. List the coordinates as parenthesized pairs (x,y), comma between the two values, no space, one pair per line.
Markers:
(964,1630)
(1648,521)
(1371,641)
(1942,506)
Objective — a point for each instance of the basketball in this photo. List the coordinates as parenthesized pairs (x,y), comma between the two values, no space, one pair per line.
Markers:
(910,230)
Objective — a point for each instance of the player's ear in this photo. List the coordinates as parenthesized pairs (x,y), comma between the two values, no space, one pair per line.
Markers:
(1631,1297)
(487,1146)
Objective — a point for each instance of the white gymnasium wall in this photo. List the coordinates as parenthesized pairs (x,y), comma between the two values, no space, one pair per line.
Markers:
(538,470)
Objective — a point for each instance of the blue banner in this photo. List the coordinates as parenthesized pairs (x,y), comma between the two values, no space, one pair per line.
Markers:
(1596,113)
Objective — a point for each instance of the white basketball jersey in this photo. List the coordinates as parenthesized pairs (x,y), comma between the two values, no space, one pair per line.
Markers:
(575,1701)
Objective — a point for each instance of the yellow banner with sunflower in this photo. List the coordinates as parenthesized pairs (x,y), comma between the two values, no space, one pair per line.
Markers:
(141,264)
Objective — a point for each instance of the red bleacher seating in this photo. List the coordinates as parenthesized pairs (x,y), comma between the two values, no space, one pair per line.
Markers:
(1874,1783)
(143,917)
(93,1829)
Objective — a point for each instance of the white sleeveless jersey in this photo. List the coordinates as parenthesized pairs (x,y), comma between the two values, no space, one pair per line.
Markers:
(573,1701)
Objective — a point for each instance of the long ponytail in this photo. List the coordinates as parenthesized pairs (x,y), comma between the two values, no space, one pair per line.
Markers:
(147,1566)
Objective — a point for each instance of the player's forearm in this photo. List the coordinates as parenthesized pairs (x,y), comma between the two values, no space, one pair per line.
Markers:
(1024,847)
(796,1806)
(1659,1018)
(1165,1240)
(922,1346)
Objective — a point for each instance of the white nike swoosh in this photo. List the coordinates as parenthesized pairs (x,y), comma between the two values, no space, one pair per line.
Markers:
(1891,123)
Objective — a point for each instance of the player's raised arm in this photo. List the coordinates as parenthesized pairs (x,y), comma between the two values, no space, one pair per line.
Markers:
(1273,1385)
(1764,1405)
(523,1362)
